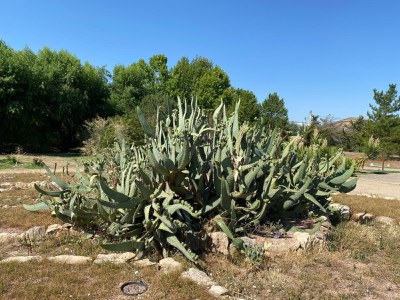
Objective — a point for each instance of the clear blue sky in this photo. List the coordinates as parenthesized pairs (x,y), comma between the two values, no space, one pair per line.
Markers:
(319,55)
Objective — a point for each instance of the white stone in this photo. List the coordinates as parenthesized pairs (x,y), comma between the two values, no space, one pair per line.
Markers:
(362,217)
(249,241)
(70,259)
(115,258)
(54,228)
(219,242)
(34,234)
(143,263)
(198,277)
(385,220)
(67,225)
(281,246)
(343,210)
(21,259)
(218,291)
(169,265)
(303,238)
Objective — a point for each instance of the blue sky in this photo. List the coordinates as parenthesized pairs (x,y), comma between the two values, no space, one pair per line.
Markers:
(319,55)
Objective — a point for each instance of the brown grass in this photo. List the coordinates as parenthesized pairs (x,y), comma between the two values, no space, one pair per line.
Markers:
(18,217)
(23,177)
(376,206)
(52,281)
(361,262)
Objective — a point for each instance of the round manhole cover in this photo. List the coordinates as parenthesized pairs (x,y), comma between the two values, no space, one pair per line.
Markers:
(133,288)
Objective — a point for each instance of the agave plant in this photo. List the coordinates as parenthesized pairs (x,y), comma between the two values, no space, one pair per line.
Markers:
(191,169)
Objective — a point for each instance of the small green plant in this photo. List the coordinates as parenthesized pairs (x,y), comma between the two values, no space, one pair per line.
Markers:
(254,253)
(9,161)
(12,160)
(37,162)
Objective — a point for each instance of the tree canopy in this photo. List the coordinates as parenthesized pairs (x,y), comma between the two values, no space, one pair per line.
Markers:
(384,120)
(46,97)
(274,112)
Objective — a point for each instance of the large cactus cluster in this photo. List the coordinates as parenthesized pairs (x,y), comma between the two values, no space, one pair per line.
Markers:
(192,168)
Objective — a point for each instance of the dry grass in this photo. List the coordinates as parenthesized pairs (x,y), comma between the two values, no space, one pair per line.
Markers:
(51,281)
(18,217)
(376,206)
(361,262)
(23,177)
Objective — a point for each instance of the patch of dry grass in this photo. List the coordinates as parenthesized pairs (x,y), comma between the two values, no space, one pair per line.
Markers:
(70,243)
(376,206)
(18,217)
(53,281)
(360,262)
(23,177)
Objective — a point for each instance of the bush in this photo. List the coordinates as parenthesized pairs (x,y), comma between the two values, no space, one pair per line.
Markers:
(103,133)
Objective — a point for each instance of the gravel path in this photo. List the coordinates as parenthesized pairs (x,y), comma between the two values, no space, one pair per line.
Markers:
(379,185)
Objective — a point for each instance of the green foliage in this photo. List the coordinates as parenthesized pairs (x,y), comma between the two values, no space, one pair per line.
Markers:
(372,148)
(384,120)
(198,78)
(190,170)
(103,133)
(46,97)
(249,110)
(274,112)
(254,253)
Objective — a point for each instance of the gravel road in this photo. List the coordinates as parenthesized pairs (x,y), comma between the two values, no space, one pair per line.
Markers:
(379,185)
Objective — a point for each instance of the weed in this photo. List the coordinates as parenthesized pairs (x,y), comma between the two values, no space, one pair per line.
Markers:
(254,253)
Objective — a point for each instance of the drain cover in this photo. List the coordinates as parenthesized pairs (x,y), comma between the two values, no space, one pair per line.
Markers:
(133,288)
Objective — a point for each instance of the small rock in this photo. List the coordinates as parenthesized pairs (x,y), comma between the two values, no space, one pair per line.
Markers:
(249,241)
(217,291)
(115,258)
(38,183)
(70,259)
(362,218)
(385,220)
(198,277)
(20,186)
(8,238)
(219,242)
(54,228)
(303,238)
(325,226)
(344,211)
(21,259)
(169,264)
(67,225)
(5,185)
(281,246)
(34,234)
(143,263)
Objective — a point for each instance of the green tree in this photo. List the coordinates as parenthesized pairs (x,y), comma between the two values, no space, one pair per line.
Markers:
(46,97)
(158,65)
(249,110)
(198,78)
(384,120)
(130,84)
(274,112)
